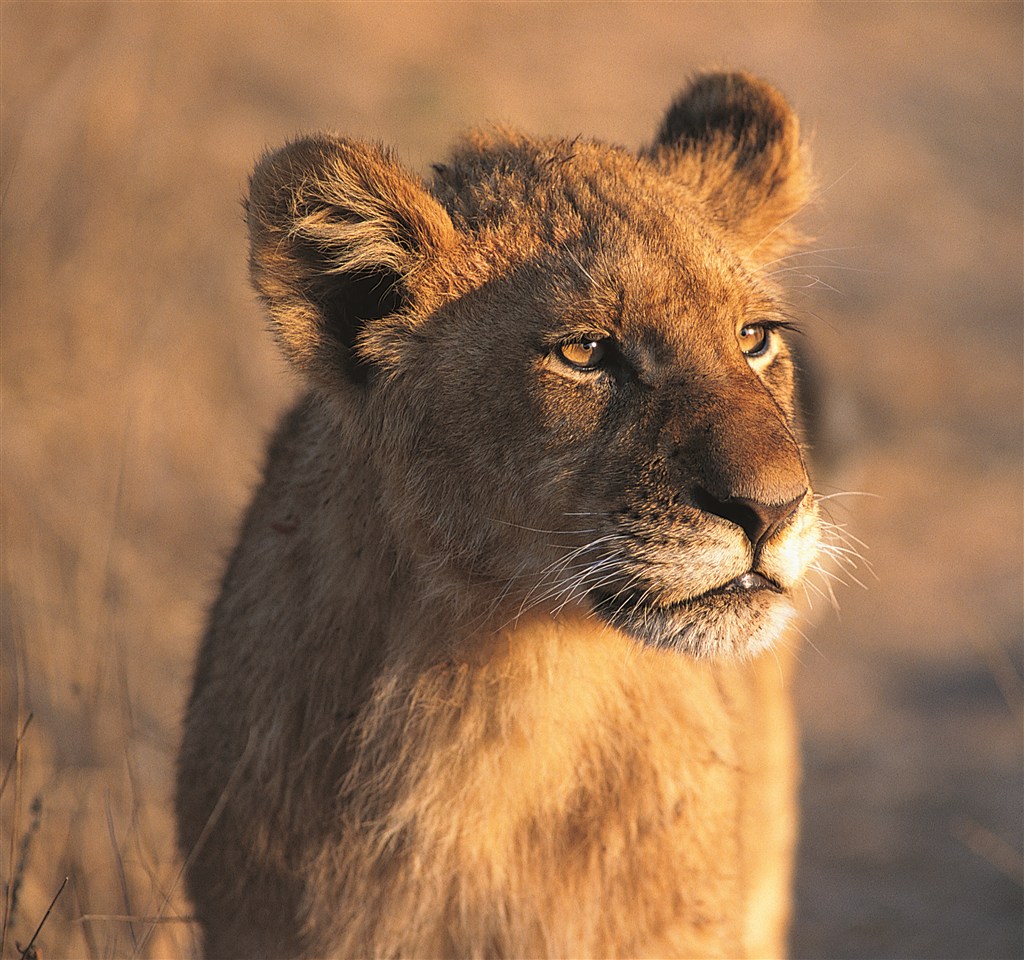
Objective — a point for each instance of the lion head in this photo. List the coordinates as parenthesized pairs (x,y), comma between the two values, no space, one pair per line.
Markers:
(568,361)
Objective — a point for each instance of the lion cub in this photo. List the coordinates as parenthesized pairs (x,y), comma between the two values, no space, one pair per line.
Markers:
(487,673)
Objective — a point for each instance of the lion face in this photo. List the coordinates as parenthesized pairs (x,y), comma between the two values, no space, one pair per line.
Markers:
(569,363)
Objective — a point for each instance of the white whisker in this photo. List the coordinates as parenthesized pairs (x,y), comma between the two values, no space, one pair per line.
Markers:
(519,526)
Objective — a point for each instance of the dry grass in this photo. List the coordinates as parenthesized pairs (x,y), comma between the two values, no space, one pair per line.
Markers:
(137,387)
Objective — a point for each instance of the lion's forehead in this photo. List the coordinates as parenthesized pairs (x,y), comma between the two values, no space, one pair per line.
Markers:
(672,297)
(608,241)
(582,192)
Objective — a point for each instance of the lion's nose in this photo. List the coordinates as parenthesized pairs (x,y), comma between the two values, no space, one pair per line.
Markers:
(759,521)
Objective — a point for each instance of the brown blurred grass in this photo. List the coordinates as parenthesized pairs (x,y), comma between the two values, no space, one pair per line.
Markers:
(137,388)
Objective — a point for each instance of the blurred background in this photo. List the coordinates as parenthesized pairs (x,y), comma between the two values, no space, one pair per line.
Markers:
(139,386)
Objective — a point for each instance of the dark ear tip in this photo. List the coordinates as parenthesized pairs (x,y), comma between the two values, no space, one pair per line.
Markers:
(277,174)
(737,104)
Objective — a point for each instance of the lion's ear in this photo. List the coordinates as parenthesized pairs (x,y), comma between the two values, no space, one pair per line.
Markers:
(736,142)
(338,230)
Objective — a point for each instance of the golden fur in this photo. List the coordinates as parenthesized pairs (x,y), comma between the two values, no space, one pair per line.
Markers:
(486,673)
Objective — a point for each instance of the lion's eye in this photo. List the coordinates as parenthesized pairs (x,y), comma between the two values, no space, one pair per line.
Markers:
(583,354)
(755,338)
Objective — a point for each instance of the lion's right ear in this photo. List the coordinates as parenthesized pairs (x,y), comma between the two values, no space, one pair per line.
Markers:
(338,230)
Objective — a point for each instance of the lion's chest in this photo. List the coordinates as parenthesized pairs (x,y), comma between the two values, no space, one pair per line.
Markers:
(596,816)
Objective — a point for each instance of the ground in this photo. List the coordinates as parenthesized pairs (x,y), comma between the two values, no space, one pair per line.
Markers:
(138,387)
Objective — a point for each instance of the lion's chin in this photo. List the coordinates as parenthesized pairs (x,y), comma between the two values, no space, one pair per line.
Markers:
(739,619)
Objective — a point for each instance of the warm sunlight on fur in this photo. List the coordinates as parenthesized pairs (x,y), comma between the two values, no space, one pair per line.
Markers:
(487,674)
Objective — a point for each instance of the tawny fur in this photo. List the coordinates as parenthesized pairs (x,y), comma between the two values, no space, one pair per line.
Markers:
(472,687)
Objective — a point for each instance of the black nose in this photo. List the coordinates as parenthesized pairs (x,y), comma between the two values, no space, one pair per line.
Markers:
(757,520)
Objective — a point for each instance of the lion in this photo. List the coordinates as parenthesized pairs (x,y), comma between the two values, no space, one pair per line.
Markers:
(498,666)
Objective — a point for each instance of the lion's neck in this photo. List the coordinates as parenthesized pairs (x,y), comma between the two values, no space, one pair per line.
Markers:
(541,776)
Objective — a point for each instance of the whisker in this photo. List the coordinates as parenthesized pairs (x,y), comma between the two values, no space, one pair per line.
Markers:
(568,588)
(817,196)
(611,578)
(841,554)
(597,567)
(555,569)
(819,497)
(572,256)
(819,252)
(841,530)
(519,526)
(806,638)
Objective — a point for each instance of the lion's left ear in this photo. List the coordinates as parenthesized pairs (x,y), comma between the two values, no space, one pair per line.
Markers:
(735,141)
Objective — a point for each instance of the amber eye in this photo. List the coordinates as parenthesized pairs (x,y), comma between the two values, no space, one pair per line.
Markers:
(755,338)
(583,354)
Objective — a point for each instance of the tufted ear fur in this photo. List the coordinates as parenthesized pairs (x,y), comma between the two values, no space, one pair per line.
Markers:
(338,230)
(735,141)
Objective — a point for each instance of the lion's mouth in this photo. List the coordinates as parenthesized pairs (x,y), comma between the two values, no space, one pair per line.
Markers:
(644,600)
(751,580)
(699,622)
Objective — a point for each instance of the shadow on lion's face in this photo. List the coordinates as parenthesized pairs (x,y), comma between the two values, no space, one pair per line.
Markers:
(621,425)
